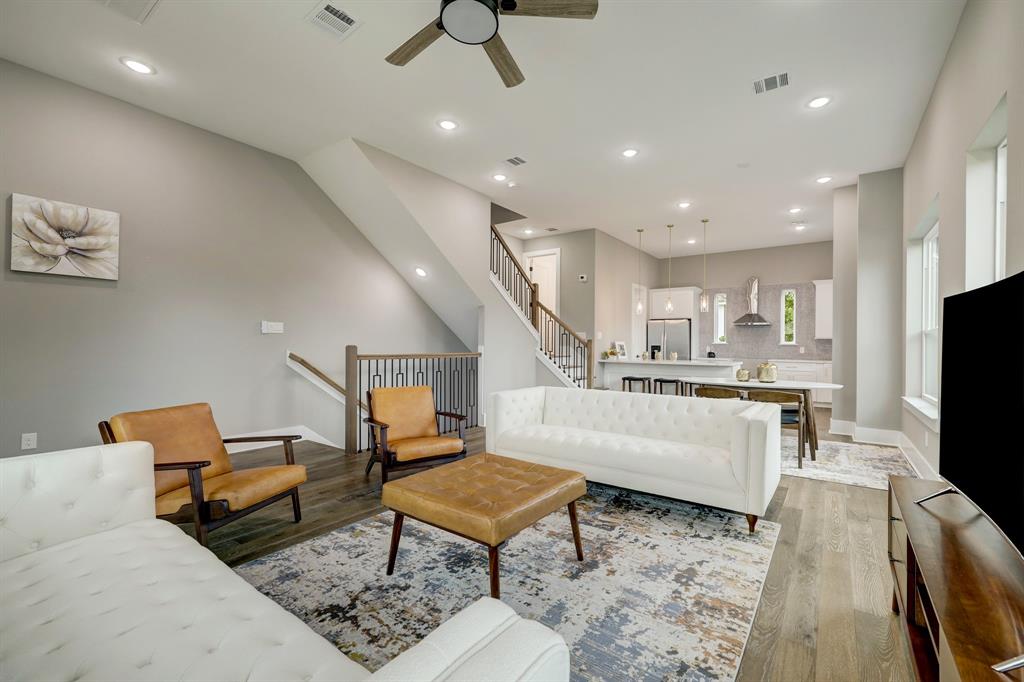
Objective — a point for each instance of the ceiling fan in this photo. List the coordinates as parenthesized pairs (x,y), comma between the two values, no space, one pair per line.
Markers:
(475,22)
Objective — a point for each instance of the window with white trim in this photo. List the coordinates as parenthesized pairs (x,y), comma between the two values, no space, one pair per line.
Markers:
(1000,250)
(720,310)
(787,313)
(930,316)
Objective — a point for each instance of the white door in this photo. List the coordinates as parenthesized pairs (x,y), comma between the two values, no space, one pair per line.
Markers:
(543,267)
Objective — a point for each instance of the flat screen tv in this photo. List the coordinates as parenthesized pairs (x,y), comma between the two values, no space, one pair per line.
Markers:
(981,439)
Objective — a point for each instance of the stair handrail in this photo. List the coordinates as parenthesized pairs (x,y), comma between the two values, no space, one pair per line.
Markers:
(533,287)
(585,343)
(321,375)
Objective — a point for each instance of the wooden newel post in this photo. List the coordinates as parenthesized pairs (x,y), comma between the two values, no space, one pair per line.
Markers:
(351,400)
(590,363)
(534,309)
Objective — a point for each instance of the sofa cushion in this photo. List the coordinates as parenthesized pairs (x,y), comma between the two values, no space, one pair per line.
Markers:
(701,421)
(146,602)
(708,464)
(241,488)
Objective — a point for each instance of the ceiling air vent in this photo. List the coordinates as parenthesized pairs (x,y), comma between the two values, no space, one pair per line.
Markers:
(515,161)
(771,83)
(136,10)
(328,17)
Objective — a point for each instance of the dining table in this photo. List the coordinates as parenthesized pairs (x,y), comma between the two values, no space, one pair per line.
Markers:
(796,386)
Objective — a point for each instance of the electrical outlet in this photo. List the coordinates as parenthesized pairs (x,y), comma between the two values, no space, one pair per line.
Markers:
(268,327)
(801,350)
(28,441)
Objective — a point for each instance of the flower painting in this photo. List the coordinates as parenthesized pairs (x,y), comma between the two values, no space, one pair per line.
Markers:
(63,239)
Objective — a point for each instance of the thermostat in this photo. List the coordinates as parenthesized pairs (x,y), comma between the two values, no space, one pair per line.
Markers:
(582,278)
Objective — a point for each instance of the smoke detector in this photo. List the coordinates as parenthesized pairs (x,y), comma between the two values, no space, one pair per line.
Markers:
(771,83)
(338,23)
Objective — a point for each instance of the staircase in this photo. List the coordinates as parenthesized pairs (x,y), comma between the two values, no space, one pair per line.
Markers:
(569,355)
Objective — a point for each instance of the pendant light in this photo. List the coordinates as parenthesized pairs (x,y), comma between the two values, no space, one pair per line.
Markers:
(668,302)
(704,303)
(639,253)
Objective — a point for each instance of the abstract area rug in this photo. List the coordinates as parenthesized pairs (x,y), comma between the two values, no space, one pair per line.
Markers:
(868,466)
(667,590)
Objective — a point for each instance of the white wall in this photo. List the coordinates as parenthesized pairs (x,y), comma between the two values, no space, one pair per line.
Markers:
(615,271)
(984,62)
(215,236)
(774,265)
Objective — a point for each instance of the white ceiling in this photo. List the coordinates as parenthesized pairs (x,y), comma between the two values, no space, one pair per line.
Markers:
(672,79)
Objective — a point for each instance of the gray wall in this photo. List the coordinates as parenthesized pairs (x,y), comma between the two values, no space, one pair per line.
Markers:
(215,236)
(576,300)
(762,343)
(776,265)
(615,272)
(879,306)
(844,302)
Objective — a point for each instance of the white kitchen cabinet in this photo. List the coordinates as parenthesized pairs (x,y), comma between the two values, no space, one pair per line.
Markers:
(796,370)
(685,303)
(823,309)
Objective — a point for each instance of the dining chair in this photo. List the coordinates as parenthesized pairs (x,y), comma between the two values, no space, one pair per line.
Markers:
(794,416)
(717,392)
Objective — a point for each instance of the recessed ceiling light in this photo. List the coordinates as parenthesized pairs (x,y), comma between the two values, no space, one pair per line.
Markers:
(511,184)
(527,230)
(795,210)
(499,177)
(684,204)
(629,153)
(823,179)
(447,125)
(691,241)
(818,102)
(799,227)
(421,272)
(137,66)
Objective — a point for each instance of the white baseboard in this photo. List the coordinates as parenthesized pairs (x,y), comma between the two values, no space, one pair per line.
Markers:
(841,427)
(304,431)
(864,434)
(916,459)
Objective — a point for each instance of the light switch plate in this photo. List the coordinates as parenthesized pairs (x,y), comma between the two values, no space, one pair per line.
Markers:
(268,327)
(28,441)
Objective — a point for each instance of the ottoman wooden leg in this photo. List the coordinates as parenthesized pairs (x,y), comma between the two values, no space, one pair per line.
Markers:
(575,530)
(492,560)
(396,537)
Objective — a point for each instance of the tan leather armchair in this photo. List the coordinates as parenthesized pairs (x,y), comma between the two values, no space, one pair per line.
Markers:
(404,433)
(194,477)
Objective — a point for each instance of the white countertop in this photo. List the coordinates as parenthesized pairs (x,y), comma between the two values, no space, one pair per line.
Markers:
(781,384)
(699,362)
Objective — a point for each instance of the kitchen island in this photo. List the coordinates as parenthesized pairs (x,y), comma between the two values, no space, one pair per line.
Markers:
(612,371)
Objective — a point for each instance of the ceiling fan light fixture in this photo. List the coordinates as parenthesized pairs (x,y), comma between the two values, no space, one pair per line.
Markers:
(472,22)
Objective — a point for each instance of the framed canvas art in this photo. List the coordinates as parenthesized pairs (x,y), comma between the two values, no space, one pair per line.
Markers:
(58,238)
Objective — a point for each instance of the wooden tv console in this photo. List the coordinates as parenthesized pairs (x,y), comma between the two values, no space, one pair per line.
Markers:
(958,585)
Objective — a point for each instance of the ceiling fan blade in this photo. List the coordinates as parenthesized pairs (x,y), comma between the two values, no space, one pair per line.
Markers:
(413,46)
(563,9)
(506,67)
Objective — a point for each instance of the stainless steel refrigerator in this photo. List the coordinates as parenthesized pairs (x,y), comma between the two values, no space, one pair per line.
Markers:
(669,336)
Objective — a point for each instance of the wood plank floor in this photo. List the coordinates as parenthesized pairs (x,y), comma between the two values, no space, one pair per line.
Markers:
(824,613)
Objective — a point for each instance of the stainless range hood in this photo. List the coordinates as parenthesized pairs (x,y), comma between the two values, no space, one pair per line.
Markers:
(752,319)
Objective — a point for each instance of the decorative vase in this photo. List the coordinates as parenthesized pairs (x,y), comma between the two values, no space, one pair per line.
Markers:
(742,374)
(673,356)
(767,372)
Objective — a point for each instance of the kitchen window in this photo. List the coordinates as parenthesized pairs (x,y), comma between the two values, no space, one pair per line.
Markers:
(720,308)
(788,316)
(930,316)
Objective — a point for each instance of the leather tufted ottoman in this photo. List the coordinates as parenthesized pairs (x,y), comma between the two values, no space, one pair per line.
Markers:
(487,498)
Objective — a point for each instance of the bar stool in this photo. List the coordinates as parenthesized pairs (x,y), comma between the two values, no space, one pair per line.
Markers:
(676,384)
(717,392)
(645,384)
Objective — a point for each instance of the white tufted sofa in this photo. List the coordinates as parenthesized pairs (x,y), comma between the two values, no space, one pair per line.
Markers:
(723,453)
(93,587)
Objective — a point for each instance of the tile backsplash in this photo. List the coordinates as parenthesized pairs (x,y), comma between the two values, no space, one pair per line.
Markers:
(762,343)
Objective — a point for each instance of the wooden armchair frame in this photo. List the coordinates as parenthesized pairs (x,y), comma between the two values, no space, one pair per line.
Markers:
(207,515)
(380,452)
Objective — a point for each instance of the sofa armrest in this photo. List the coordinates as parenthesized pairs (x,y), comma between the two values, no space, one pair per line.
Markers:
(485,641)
(756,455)
(510,409)
(52,497)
